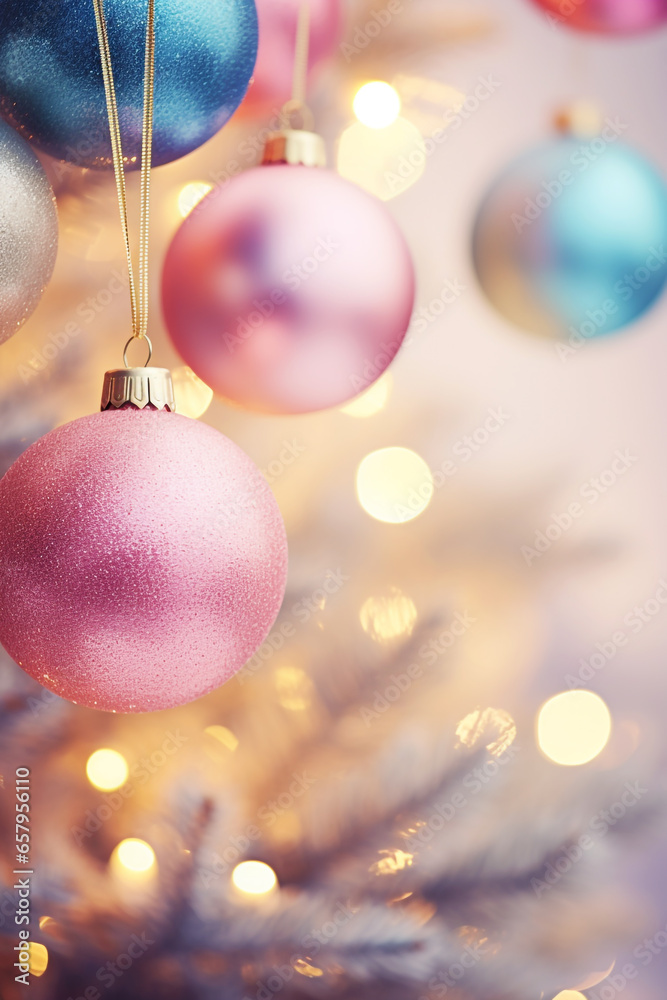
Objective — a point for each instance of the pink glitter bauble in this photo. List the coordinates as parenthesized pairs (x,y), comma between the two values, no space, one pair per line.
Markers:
(142,560)
(288,290)
(271,83)
(608,17)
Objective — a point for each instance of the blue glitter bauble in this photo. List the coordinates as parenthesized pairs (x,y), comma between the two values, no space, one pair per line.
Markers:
(572,237)
(51,86)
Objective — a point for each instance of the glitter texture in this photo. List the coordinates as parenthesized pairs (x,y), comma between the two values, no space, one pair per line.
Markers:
(51,84)
(288,290)
(28,231)
(142,560)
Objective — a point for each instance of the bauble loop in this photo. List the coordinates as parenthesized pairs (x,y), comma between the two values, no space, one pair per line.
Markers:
(272,79)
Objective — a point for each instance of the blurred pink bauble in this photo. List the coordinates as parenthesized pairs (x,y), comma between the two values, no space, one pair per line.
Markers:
(608,17)
(142,560)
(288,290)
(271,83)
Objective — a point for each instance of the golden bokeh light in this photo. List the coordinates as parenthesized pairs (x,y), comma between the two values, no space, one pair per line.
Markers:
(107,769)
(223,735)
(190,196)
(493,726)
(570,995)
(389,616)
(133,855)
(372,400)
(385,162)
(394,485)
(394,861)
(254,878)
(442,96)
(193,397)
(51,928)
(39,958)
(573,727)
(306,969)
(294,688)
(376,104)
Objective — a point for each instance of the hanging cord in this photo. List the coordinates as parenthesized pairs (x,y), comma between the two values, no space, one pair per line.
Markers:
(297,103)
(139,303)
(300,76)
(146,158)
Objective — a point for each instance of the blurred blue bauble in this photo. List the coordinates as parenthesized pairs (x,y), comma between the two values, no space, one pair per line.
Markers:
(51,86)
(572,238)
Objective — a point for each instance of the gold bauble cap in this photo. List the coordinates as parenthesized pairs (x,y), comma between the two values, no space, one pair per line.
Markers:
(297,147)
(582,119)
(138,387)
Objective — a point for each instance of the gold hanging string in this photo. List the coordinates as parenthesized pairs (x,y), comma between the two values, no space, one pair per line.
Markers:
(139,303)
(297,103)
(146,158)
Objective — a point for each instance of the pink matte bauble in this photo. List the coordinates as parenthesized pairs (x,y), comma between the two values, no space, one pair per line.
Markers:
(288,290)
(271,83)
(142,560)
(608,17)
